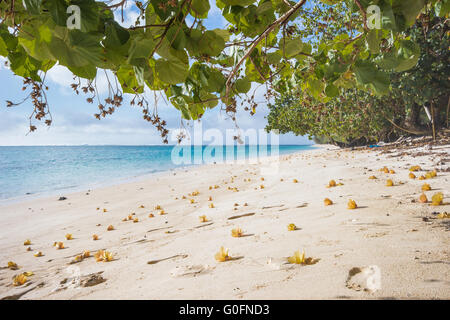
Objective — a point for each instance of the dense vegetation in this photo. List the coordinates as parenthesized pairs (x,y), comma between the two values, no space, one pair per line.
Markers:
(356,116)
(170,51)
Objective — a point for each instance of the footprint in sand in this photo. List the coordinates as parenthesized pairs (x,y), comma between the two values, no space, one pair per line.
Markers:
(189,270)
(365,278)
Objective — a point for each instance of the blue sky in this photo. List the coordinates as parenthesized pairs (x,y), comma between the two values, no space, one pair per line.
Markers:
(74,123)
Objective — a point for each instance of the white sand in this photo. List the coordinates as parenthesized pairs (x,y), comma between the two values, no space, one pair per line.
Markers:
(387,231)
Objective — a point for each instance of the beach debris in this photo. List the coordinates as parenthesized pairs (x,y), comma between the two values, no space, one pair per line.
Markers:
(105,210)
(183,197)
(291,227)
(372,177)
(411,175)
(222,255)
(191,200)
(385,170)
(437,199)
(38,254)
(389,183)
(443,215)
(29,249)
(194,193)
(422,178)
(299,258)
(295,181)
(423,198)
(27,242)
(62,198)
(426,187)
(352,204)
(162,212)
(203,218)
(181,256)
(103,255)
(69,236)
(92,279)
(211,205)
(327,202)
(151,215)
(237,233)
(415,168)
(365,278)
(157,207)
(261,186)
(12,265)
(262,179)
(94,237)
(110,227)
(20,280)
(210,198)
(135,220)
(241,215)
(141,206)
(125,219)
(391,171)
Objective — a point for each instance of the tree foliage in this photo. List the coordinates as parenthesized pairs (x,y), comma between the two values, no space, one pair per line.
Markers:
(197,68)
(356,116)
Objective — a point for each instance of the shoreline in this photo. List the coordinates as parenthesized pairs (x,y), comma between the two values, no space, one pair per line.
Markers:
(116,182)
(171,256)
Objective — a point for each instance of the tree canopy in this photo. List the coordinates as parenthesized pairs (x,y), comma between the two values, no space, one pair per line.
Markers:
(171,52)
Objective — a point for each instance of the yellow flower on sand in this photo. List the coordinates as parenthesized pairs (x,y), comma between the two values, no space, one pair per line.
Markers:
(38,254)
(292,227)
(437,199)
(327,202)
(103,255)
(20,280)
(95,237)
(415,168)
(69,236)
(352,204)
(211,205)
(59,245)
(110,227)
(222,255)
(203,218)
(423,198)
(12,265)
(237,232)
(389,183)
(411,175)
(299,258)
(295,181)
(331,184)
(27,242)
(372,177)
(426,187)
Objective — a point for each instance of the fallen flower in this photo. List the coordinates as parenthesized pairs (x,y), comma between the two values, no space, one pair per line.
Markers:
(352,204)
(237,232)
(203,218)
(20,280)
(95,237)
(389,183)
(110,228)
(222,255)
(423,198)
(437,199)
(12,265)
(426,187)
(327,202)
(69,236)
(103,255)
(27,242)
(292,227)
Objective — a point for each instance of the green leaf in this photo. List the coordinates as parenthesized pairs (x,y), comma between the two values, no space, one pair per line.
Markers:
(86,72)
(33,6)
(243,85)
(200,7)
(57,10)
(331,90)
(291,47)
(127,79)
(373,41)
(242,3)
(367,74)
(115,35)
(410,9)
(171,71)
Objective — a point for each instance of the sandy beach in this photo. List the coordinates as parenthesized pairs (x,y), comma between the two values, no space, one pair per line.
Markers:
(172,255)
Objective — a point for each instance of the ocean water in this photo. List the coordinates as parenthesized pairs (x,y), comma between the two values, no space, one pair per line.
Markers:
(54,170)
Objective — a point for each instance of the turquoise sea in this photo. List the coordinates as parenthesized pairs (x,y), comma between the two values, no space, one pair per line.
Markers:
(55,170)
